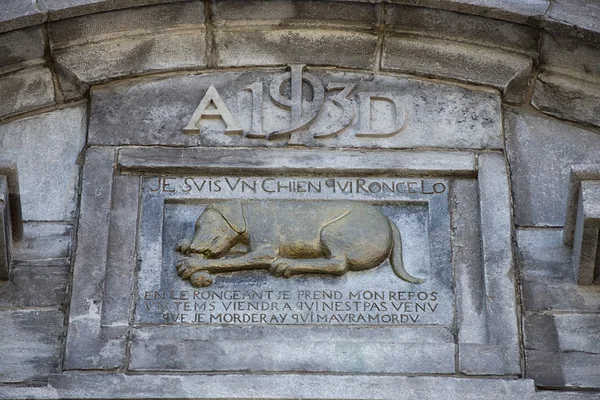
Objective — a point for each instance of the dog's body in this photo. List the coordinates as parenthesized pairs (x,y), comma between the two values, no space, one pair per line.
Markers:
(292,237)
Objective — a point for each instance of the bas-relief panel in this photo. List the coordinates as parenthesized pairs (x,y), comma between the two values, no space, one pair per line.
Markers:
(301,250)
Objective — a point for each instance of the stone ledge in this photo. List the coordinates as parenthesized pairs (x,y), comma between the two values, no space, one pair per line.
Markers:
(283,386)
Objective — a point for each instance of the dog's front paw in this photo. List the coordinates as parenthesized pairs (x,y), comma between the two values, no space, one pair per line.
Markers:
(282,268)
(183,246)
(184,268)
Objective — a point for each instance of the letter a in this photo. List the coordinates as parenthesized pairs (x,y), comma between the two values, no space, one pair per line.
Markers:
(219,110)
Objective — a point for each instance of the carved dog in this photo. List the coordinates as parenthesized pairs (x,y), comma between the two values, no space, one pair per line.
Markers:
(289,238)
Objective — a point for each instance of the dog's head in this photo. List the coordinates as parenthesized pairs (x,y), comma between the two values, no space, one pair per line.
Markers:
(218,229)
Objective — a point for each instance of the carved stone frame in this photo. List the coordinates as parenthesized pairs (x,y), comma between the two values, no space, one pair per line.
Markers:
(101,328)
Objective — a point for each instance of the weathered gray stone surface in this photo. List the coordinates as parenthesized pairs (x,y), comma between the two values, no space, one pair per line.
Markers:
(105,46)
(547,276)
(32,286)
(88,346)
(562,350)
(322,349)
(94,385)
(261,161)
(540,153)
(295,13)
(155,111)
(458,27)
(567,98)
(468,268)
(60,9)
(45,241)
(30,344)
(511,10)
(585,243)
(45,149)
(580,18)
(21,46)
(508,72)
(26,90)
(499,354)
(256,47)
(15,14)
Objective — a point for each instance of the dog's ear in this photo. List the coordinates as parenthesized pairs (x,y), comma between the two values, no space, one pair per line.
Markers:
(233,213)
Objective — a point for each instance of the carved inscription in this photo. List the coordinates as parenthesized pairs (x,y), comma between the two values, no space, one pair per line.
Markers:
(325,109)
(291,306)
(343,186)
(294,250)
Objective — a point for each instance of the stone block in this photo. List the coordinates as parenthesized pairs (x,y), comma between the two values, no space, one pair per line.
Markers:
(562,350)
(61,9)
(585,240)
(508,72)
(461,27)
(35,286)
(44,241)
(45,148)
(30,345)
(26,90)
(282,386)
(155,111)
(100,47)
(500,353)
(295,13)
(262,161)
(540,153)
(89,346)
(567,98)
(547,276)
(579,18)
(15,14)
(256,47)
(510,10)
(21,46)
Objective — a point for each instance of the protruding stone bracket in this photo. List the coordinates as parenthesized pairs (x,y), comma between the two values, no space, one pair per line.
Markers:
(582,225)
(11,221)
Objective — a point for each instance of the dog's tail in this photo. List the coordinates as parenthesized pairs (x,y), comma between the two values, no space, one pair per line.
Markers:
(396,258)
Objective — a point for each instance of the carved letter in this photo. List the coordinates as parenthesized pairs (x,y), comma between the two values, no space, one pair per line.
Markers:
(366,129)
(220,110)
(256,130)
(299,119)
(342,100)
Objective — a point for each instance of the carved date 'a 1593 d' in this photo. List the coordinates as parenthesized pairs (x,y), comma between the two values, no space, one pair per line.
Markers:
(305,97)
(290,238)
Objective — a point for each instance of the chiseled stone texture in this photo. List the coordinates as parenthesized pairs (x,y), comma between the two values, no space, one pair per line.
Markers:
(30,344)
(15,14)
(26,45)
(35,286)
(283,32)
(540,153)
(521,11)
(25,83)
(562,350)
(105,46)
(26,90)
(579,18)
(547,277)
(45,149)
(462,28)
(569,86)
(295,13)
(278,47)
(43,241)
(506,71)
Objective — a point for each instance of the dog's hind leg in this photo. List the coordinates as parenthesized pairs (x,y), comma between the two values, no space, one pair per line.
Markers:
(286,267)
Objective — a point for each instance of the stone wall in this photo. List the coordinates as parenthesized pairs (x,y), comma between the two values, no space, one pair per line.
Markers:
(86,74)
